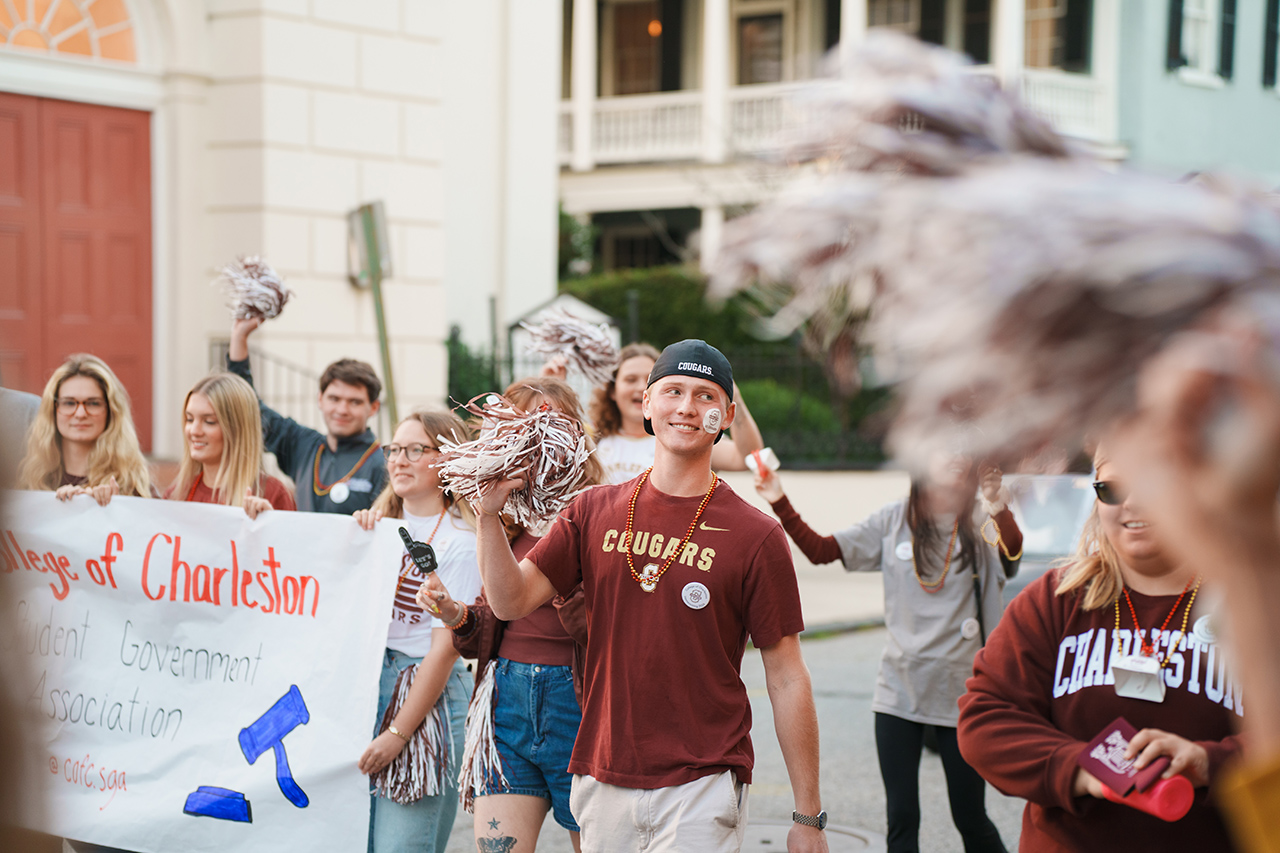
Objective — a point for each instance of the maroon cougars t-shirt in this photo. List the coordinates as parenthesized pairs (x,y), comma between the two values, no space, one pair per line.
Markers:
(664,703)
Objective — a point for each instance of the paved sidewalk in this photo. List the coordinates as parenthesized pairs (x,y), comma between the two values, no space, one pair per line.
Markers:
(833,599)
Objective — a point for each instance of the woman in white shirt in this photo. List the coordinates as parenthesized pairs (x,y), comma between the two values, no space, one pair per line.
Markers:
(412,812)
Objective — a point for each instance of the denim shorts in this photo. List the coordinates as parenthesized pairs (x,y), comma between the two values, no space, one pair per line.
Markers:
(535,721)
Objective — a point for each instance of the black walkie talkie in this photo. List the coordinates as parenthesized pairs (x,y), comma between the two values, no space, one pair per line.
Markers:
(424,556)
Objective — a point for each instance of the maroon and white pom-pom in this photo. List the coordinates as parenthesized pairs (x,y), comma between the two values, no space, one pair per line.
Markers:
(1010,285)
(585,346)
(546,448)
(254,290)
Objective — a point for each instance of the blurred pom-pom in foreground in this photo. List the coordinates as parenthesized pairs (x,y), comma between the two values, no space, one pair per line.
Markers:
(586,347)
(546,448)
(1006,281)
(254,290)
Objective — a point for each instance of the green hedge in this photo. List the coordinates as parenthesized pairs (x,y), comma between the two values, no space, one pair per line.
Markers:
(672,306)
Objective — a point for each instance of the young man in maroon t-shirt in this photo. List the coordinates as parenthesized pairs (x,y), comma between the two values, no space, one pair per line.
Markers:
(677,572)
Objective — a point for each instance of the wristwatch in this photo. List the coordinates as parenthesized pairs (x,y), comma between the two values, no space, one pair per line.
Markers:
(819,820)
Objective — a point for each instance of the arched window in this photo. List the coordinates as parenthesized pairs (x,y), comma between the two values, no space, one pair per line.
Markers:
(101,29)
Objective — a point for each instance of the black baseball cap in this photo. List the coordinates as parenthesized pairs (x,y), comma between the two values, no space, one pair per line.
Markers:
(696,358)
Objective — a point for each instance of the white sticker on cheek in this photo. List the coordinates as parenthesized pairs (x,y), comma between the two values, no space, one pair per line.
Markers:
(711,421)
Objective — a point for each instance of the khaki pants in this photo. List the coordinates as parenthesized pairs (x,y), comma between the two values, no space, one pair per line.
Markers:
(707,815)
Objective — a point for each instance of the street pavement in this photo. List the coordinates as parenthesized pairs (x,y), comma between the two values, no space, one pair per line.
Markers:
(844,671)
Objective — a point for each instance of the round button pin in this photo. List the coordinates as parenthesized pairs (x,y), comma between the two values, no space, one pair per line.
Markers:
(339,493)
(969,628)
(903,551)
(695,595)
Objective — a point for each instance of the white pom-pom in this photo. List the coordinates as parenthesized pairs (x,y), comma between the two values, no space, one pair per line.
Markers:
(548,449)
(586,347)
(253,288)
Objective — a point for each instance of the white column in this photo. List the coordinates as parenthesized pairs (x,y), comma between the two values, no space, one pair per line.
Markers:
(711,234)
(715,80)
(1009,51)
(1106,67)
(853,25)
(582,85)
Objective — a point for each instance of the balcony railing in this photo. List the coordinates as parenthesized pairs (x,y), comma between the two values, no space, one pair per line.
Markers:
(1075,104)
(644,128)
(668,126)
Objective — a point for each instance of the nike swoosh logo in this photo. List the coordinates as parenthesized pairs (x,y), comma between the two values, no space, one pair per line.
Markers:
(703,526)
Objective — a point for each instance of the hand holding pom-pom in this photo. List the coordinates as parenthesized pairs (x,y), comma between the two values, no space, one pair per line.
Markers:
(584,346)
(254,290)
(544,448)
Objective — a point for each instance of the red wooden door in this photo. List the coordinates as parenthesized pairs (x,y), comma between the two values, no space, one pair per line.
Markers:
(88,287)
(21,311)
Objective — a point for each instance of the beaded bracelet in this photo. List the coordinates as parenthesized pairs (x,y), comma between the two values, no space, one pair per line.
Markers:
(462,617)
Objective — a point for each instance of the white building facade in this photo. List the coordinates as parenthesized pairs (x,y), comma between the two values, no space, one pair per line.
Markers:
(668,103)
(234,127)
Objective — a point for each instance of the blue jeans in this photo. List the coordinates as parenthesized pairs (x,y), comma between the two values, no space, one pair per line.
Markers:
(535,721)
(424,826)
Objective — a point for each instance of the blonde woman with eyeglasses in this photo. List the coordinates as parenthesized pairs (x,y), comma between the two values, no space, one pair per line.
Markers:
(222,449)
(83,441)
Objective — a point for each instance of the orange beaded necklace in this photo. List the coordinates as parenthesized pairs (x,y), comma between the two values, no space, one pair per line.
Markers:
(649,584)
(1148,641)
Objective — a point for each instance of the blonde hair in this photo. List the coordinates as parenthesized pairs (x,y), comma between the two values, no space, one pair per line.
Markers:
(235,405)
(115,453)
(1095,567)
(436,422)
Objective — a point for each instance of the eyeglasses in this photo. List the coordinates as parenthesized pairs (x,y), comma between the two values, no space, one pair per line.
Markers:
(92,406)
(414,452)
(1110,492)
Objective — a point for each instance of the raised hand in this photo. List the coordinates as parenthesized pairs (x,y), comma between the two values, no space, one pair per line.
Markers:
(769,484)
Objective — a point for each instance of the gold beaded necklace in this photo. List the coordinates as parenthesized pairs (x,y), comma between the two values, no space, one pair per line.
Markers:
(649,584)
(1147,643)
(934,586)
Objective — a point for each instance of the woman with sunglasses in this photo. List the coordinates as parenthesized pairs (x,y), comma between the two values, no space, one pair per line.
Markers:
(943,592)
(525,712)
(222,449)
(83,440)
(1121,630)
(432,708)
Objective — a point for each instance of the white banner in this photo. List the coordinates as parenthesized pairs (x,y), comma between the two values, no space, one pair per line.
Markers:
(205,682)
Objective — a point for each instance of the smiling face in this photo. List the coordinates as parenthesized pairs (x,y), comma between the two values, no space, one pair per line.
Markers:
(1125,528)
(678,407)
(202,431)
(411,480)
(628,391)
(346,408)
(89,419)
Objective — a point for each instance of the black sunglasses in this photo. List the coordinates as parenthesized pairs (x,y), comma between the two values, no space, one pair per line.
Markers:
(1110,492)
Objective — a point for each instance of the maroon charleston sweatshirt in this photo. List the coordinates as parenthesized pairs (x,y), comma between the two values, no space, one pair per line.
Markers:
(1042,688)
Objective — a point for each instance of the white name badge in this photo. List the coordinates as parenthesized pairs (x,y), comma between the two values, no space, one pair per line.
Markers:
(903,551)
(1139,677)
(695,595)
